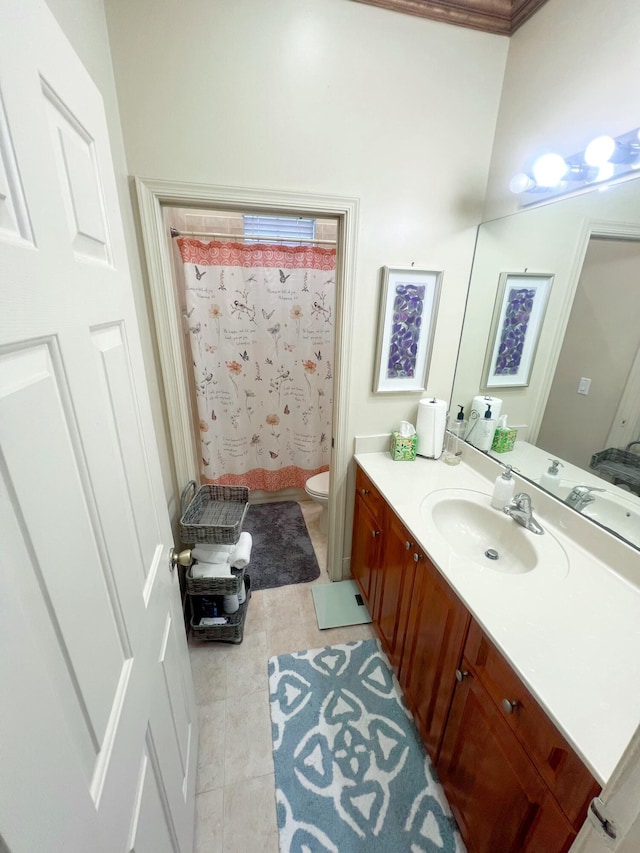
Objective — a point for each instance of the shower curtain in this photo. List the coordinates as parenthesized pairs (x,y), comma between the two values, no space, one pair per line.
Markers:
(261,328)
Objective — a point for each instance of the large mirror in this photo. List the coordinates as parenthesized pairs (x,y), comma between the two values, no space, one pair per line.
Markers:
(581,405)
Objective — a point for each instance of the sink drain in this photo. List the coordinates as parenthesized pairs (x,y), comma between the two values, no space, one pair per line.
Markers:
(491,553)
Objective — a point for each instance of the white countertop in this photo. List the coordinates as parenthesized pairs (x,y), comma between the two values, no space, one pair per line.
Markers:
(574,639)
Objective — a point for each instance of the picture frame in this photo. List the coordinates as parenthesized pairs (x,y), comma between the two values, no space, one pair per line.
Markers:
(518,315)
(408,308)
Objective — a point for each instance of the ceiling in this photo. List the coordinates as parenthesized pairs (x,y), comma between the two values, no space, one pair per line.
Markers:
(492,16)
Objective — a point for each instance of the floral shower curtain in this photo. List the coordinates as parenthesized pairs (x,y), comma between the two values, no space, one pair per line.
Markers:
(261,327)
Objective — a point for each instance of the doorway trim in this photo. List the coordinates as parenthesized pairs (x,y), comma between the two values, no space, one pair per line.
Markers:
(152,195)
(590,228)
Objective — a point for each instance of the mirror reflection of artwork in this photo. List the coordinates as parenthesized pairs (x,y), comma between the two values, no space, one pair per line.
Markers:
(514,331)
(405,333)
(517,320)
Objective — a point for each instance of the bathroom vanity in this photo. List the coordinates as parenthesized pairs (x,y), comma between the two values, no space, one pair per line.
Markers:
(518,673)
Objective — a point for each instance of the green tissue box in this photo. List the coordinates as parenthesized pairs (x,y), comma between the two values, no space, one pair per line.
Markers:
(403,448)
(504,440)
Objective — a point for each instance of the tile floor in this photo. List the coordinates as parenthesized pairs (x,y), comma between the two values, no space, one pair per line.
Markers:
(235,790)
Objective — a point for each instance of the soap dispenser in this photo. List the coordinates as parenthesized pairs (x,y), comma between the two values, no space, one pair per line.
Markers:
(486,429)
(503,489)
(550,479)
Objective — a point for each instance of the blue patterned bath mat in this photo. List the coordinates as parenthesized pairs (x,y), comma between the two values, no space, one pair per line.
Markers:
(351,772)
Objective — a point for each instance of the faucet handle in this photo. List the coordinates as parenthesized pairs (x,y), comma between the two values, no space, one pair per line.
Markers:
(522,500)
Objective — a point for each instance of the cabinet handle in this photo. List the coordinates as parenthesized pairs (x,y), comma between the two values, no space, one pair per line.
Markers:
(364,491)
(407,545)
(509,706)
(460,675)
(416,557)
(375,533)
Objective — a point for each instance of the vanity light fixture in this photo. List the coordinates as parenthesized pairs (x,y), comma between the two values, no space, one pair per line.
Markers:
(604,158)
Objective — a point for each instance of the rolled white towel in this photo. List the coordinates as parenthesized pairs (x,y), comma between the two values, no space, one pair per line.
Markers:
(242,552)
(212,553)
(210,570)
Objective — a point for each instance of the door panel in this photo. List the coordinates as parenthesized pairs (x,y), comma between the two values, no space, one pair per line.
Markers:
(96,679)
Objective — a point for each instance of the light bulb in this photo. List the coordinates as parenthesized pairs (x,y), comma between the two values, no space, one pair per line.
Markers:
(605,172)
(600,150)
(520,183)
(549,170)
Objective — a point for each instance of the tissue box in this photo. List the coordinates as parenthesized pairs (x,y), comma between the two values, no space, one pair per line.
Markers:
(504,440)
(403,448)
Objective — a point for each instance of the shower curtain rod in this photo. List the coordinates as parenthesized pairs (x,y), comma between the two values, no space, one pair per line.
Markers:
(233,237)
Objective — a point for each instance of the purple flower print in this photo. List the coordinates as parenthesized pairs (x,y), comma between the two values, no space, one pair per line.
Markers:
(514,331)
(405,331)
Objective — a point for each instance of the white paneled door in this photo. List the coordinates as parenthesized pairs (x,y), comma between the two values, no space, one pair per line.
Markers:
(98,736)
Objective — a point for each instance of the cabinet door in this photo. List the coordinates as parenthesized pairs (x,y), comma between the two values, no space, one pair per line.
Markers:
(365,550)
(497,797)
(570,782)
(435,636)
(396,587)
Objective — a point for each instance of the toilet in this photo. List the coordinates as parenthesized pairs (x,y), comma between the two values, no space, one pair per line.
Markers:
(317,488)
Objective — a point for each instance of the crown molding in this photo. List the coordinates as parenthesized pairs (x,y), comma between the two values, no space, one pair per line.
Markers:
(502,17)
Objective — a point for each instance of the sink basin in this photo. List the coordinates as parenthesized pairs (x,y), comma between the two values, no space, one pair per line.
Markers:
(472,531)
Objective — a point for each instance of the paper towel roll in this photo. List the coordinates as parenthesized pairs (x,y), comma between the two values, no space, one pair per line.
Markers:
(430,427)
(476,414)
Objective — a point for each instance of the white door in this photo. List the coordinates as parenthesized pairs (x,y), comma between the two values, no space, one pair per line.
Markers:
(98,736)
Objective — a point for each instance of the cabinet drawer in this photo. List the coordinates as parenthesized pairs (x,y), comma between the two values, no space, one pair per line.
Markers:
(370,495)
(564,772)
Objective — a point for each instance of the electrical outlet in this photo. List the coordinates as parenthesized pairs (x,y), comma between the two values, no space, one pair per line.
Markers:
(584,385)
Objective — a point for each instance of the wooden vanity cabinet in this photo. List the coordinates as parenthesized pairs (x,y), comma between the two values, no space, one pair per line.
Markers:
(366,547)
(396,588)
(497,798)
(436,629)
(513,782)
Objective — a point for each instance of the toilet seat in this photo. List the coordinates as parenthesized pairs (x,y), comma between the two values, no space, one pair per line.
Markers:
(318,485)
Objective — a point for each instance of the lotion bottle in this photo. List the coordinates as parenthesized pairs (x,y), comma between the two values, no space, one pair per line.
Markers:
(550,479)
(503,489)
(455,438)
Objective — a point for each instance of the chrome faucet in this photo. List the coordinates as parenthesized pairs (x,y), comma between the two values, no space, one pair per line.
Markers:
(580,496)
(520,510)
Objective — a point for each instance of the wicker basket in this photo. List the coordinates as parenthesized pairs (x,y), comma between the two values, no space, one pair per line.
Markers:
(621,465)
(215,515)
(233,631)
(214,586)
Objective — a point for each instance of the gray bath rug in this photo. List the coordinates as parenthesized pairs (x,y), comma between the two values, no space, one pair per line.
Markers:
(282,552)
(351,772)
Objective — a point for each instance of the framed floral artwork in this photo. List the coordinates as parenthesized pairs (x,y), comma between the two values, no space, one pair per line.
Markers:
(517,320)
(408,309)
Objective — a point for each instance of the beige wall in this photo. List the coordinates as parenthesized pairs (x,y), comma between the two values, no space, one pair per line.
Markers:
(571,75)
(342,98)
(600,343)
(330,97)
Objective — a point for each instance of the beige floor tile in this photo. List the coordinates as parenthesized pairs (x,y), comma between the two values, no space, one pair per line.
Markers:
(285,640)
(209,672)
(250,816)
(248,746)
(209,822)
(235,804)
(211,719)
(247,675)
(254,621)
(283,608)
